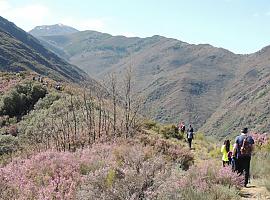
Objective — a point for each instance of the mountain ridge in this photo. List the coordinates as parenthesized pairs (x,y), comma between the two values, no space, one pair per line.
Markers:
(181,81)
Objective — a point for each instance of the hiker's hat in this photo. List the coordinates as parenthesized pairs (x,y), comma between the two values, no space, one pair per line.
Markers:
(244,130)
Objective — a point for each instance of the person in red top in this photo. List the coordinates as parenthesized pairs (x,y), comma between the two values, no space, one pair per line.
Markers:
(182,127)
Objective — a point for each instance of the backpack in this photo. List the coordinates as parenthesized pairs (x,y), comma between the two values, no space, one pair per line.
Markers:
(190,135)
(229,154)
(246,147)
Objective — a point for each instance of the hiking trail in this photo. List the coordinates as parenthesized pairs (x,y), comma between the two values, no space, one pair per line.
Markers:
(200,150)
(254,192)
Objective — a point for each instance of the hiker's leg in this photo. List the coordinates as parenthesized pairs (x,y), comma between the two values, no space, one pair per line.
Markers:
(239,165)
(189,143)
(233,164)
(230,161)
(246,169)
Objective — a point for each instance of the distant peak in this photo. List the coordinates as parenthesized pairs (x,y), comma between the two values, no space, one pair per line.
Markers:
(56,29)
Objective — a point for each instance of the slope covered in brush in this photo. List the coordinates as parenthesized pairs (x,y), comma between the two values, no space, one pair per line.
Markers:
(19,51)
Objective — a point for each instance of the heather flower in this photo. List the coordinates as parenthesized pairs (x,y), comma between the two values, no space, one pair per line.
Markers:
(203,177)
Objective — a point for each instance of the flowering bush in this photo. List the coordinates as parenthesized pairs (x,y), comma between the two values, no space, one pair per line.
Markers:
(120,170)
(260,162)
(48,175)
(203,177)
(260,139)
(124,169)
(134,173)
(175,151)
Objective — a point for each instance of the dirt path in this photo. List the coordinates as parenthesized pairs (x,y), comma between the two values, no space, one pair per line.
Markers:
(255,192)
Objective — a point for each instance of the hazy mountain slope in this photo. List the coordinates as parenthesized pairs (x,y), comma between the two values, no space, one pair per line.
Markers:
(56,29)
(20,51)
(199,84)
(181,81)
(246,103)
(95,52)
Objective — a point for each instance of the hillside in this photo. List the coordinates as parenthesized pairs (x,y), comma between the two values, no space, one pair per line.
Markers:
(180,81)
(19,51)
(66,147)
(246,101)
(199,84)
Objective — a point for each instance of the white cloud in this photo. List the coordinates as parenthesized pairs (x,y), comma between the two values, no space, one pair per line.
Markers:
(26,16)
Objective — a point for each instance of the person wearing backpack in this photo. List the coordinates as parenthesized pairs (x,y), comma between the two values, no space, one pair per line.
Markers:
(243,148)
(190,135)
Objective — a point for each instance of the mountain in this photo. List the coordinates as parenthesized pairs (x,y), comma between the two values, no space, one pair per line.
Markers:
(177,78)
(181,81)
(246,99)
(19,51)
(56,29)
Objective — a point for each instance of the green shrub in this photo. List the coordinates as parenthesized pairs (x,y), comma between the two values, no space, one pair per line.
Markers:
(8,144)
(149,124)
(21,100)
(170,131)
(47,101)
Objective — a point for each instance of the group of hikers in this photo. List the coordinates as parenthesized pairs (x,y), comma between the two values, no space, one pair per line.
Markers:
(237,155)
(190,132)
(40,79)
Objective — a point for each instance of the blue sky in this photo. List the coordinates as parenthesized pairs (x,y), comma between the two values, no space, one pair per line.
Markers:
(241,26)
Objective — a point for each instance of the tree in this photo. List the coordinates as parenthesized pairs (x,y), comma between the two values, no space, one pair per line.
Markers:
(21,100)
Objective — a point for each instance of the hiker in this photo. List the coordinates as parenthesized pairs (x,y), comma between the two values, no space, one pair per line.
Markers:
(182,127)
(243,148)
(190,135)
(226,153)
(58,86)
